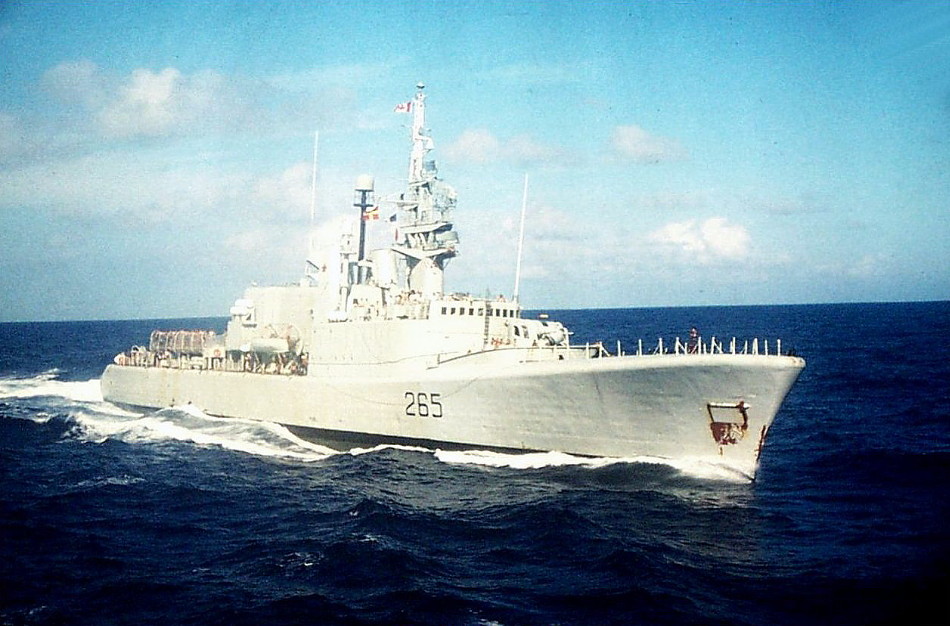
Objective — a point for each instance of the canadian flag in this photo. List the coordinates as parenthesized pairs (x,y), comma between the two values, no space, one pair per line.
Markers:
(403,107)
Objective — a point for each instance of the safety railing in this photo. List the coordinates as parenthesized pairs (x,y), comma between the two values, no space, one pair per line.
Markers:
(713,345)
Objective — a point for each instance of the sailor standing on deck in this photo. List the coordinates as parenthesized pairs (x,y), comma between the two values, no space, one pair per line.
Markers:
(692,346)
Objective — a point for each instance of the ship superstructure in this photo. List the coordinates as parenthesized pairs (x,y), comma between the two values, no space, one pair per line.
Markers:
(368,348)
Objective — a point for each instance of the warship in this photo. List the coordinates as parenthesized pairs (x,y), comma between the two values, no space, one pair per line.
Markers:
(368,349)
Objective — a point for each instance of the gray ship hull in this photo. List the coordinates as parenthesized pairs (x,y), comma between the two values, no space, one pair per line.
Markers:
(713,407)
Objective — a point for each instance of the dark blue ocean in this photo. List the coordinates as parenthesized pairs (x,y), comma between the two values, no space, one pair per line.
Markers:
(173,517)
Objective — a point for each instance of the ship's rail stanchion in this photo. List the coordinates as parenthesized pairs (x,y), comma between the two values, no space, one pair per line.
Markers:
(754,347)
(714,346)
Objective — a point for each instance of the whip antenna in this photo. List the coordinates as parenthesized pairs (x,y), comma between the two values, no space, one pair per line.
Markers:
(524,206)
(313,179)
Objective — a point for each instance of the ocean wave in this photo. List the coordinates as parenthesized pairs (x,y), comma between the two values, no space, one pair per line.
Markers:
(706,468)
(187,423)
(47,384)
(99,482)
(697,467)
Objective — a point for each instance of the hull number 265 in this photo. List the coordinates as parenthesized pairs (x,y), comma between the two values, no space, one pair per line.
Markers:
(423,404)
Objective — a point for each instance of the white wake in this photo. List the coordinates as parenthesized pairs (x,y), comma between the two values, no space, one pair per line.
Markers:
(47,384)
(187,423)
(706,468)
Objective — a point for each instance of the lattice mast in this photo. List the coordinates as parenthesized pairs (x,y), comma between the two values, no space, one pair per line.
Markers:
(424,218)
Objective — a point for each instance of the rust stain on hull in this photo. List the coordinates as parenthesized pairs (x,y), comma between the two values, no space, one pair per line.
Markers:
(732,431)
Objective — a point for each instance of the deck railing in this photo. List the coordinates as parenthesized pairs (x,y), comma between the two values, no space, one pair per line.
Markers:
(753,346)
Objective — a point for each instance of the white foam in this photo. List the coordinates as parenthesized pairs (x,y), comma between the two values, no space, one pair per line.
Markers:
(189,424)
(714,468)
(527,460)
(388,446)
(45,384)
(711,468)
(120,481)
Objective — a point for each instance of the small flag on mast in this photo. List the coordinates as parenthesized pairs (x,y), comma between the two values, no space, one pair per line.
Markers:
(403,107)
(371,214)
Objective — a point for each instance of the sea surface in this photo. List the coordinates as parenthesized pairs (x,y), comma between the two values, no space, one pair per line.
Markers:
(174,517)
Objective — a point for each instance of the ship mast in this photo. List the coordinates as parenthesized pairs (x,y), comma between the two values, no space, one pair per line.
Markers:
(424,217)
(421,143)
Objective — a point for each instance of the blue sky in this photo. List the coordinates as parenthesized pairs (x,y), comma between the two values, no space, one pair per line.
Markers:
(155,158)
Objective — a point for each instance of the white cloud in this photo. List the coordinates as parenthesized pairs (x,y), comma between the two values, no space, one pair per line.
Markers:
(725,240)
(636,144)
(152,186)
(864,267)
(11,138)
(559,246)
(474,146)
(524,149)
(286,195)
(707,241)
(481,146)
(77,82)
(168,102)
(135,185)
(150,103)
